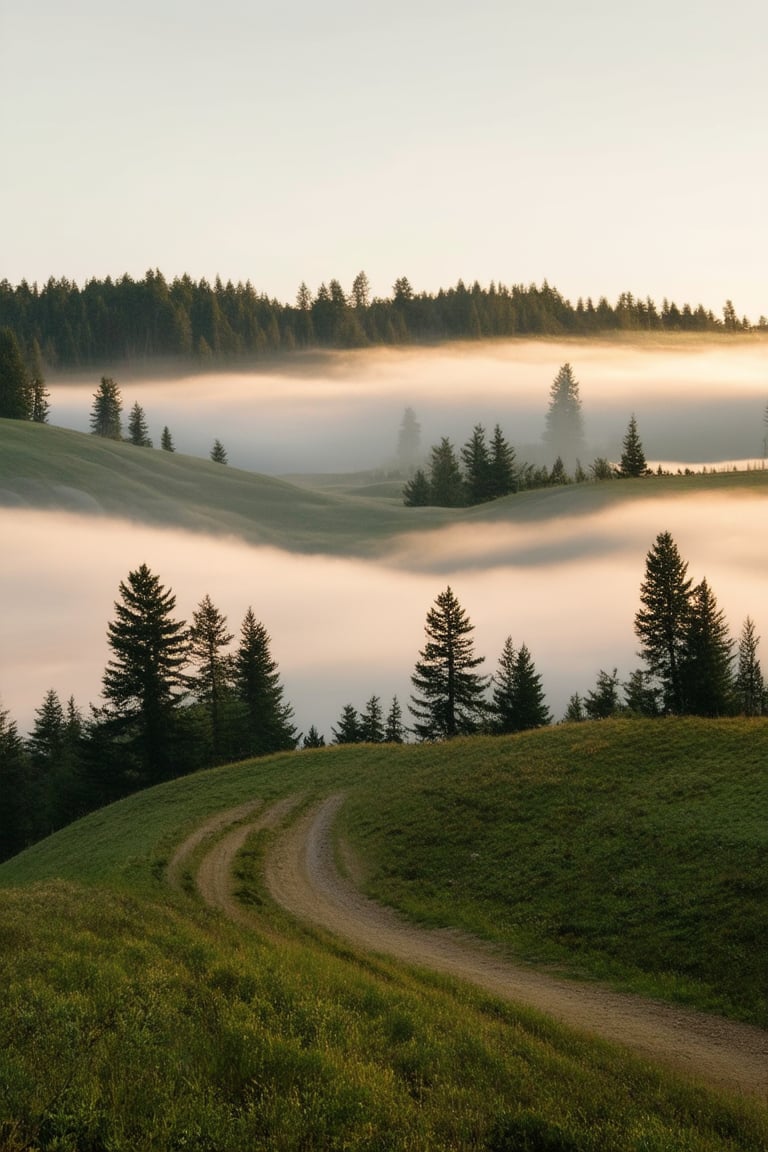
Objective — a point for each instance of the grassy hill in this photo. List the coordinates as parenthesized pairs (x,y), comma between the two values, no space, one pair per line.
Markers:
(47,467)
(133,1018)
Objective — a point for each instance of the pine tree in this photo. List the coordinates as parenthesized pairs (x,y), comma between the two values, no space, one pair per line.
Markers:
(558,475)
(564,431)
(144,681)
(408,443)
(212,684)
(662,622)
(749,685)
(633,461)
(372,722)
(502,471)
(394,731)
(361,291)
(518,698)
(16,806)
(641,698)
(269,719)
(313,739)
(15,390)
(416,492)
(446,486)
(450,695)
(602,701)
(166,440)
(218,453)
(347,730)
(574,713)
(106,413)
(40,395)
(706,665)
(477,467)
(138,432)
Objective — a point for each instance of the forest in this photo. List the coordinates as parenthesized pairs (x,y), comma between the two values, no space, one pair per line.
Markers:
(112,320)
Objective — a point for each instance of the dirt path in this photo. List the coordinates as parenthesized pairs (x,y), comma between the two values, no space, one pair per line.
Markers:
(302,877)
(221,820)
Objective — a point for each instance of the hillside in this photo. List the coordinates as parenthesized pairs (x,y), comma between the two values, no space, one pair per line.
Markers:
(623,847)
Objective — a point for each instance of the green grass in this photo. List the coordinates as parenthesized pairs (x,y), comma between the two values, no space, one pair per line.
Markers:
(131,1017)
(47,467)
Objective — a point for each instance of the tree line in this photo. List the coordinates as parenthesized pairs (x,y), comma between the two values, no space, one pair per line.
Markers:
(111,320)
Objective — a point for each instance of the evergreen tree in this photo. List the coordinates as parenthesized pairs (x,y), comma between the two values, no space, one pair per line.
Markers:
(212,684)
(17,800)
(54,754)
(641,698)
(408,443)
(558,475)
(361,291)
(445,483)
(477,467)
(706,665)
(347,730)
(269,719)
(15,390)
(38,391)
(166,440)
(218,453)
(144,681)
(450,695)
(313,739)
(518,698)
(663,620)
(394,731)
(602,701)
(574,713)
(106,413)
(564,431)
(138,432)
(502,472)
(633,461)
(749,685)
(372,722)
(416,492)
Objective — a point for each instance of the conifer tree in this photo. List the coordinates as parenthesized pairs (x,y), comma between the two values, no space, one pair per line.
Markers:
(574,713)
(212,684)
(372,722)
(408,443)
(313,739)
(449,699)
(564,430)
(641,698)
(144,681)
(395,731)
(602,701)
(662,622)
(166,440)
(749,684)
(106,413)
(706,666)
(347,731)
(518,698)
(138,432)
(417,492)
(218,453)
(269,719)
(40,395)
(15,390)
(633,461)
(446,487)
(502,470)
(16,806)
(558,475)
(477,467)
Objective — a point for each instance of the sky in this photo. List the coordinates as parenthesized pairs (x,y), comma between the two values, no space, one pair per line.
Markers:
(602,147)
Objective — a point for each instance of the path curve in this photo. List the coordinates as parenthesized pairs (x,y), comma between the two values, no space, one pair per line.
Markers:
(302,877)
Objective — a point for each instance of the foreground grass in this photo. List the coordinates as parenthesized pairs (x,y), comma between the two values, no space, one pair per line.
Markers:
(133,1018)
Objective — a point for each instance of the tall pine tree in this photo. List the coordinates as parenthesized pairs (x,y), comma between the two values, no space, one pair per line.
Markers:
(749,686)
(706,667)
(106,413)
(518,698)
(212,683)
(662,622)
(450,696)
(269,719)
(633,461)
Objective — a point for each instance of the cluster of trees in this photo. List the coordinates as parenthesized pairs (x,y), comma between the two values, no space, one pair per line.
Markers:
(23,394)
(109,320)
(107,421)
(370,726)
(176,699)
(489,472)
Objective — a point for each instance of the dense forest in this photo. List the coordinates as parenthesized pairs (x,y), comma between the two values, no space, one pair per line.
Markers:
(109,320)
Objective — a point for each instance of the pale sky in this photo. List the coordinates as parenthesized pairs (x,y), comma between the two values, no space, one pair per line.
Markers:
(602,146)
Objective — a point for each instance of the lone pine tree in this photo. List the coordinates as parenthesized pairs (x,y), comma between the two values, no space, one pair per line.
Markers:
(450,695)
(633,462)
(564,430)
(138,432)
(749,685)
(662,622)
(106,413)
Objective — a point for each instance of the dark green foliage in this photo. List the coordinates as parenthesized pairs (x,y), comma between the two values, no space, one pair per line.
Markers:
(395,731)
(518,698)
(138,432)
(40,407)
(446,487)
(144,681)
(372,722)
(417,492)
(574,713)
(641,697)
(15,389)
(633,461)
(313,739)
(558,474)
(218,453)
(166,440)
(502,471)
(212,684)
(347,731)
(662,622)
(106,413)
(16,793)
(706,670)
(602,469)
(564,432)
(450,696)
(477,467)
(749,685)
(269,719)
(602,701)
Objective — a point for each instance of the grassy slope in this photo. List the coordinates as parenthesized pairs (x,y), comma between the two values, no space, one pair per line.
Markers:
(48,467)
(557,842)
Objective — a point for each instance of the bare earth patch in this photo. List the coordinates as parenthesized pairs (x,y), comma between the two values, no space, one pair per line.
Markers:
(302,877)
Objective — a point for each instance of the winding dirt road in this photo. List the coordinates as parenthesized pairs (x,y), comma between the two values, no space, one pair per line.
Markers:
(302,877)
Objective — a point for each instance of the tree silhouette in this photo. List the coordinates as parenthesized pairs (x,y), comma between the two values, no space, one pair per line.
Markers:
(633,461)
(269,719)
(749,685)
(564,431)
(449,699)
(15,390)
(218,453)
(166,440)
(212,684)
(106,413)
(518,698)
(706,666)
(347,731)
(662,622)
(138,432)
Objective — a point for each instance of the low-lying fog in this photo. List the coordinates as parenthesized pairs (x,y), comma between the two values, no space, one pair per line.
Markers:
(694,401)
(344,629)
